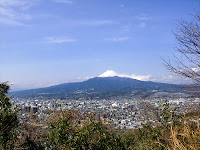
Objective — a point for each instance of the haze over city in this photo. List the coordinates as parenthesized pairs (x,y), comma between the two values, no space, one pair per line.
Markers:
(43,43)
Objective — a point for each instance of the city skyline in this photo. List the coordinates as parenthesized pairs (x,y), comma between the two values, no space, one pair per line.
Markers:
(59,41)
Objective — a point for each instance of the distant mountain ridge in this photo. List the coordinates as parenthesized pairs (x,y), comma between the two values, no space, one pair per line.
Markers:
(98,85)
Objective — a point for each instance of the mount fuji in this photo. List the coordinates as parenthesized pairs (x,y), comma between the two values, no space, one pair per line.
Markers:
(109,83)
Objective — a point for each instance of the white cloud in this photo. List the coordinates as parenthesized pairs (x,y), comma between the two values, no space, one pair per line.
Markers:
(59,40)
(11,3)
(162,78)
(80,79)
(111,73)
(11,22)
(96,22)
(117,39)
(11,14)
(16,4)
(63,1)
(90,22)
(143,18)
(173,79)
(12,11)
(6,12)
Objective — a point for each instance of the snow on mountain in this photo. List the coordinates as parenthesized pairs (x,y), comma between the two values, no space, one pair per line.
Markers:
(111,73)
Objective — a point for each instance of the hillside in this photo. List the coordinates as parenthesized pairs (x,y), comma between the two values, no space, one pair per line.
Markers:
(98,86)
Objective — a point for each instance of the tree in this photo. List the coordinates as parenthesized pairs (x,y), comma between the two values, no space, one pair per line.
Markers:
(8,119)
(186,136)
(66,133)
(188,39)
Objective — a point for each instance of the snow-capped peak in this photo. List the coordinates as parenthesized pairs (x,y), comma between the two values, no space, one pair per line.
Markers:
(109,73)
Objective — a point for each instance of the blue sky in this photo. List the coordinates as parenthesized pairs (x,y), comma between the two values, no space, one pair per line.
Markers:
(47,42)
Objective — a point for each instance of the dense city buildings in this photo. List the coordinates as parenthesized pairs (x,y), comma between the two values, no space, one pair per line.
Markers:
(118,112)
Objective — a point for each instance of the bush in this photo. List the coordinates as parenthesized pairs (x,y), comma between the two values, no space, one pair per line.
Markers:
(88,134)
(8,119)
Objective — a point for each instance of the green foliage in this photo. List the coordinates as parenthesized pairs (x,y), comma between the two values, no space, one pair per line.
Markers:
(148,137)
(165,114)
(8,119)
(173,133)
(144,138)
(88,135)
(69,130)
(4,103)
(168,116)
(31,145)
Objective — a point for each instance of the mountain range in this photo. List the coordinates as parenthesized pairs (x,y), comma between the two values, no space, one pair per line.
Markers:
(99,86)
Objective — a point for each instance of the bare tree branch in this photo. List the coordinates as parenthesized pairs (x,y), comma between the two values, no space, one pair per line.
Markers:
(188,38)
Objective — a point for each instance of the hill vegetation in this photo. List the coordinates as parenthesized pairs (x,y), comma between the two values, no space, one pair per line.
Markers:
(70,130)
